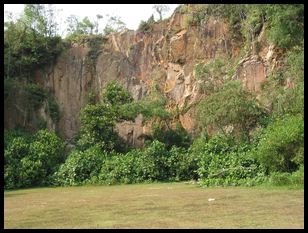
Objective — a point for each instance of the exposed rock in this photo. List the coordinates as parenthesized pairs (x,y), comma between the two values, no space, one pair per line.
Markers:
(252,73)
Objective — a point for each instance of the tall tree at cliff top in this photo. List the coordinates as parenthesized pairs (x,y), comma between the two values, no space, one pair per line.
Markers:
(31,41)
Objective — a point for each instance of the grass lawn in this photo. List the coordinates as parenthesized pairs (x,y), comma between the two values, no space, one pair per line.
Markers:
(158,205)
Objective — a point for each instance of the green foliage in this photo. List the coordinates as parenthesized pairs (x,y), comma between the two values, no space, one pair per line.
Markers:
(232,168)
(222,162)
(10,135)
(80,167)
(36,95)
(53,109)
(114,94)
(183,9)
(11,86)
(95,47)
(77,28)
(42,124)
(183,164)
(281,148)
(153,163)
(122,168)
(232,105)
(32,161)
(146,26)
(153,107)
(29,44)
(286,24)
(92,98)
(114,24)
(211,75)
(284,89)
(98,121)
(291,179)
(172,137)
(48,148)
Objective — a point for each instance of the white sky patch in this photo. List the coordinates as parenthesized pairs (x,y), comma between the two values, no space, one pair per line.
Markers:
(130,14)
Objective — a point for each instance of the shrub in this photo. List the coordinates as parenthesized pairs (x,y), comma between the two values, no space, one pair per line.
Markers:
(286,27)
(278,178)
(95,47)
(221,162)
(172,137)
(281,147)
(36,95)
(48,148)
(158,153)
(232,168)
(119,168)
(10,135)
(53,109)
(183,165)
(98,121)
(17,149)
(297,177)
(240,110)
(80,167)
(153,163)
(32,162)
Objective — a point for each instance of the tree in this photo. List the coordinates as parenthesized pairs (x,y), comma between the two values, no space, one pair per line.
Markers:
(30,41)
(286,24)
(79,27)
(114,24)
(161,9)
(281,147)
(146,26)
(113,94)
(232,105)
(30,162)
(96,23)
(41,18)
(98,120)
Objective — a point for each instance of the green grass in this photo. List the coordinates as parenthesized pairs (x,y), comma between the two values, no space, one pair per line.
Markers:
(158,205)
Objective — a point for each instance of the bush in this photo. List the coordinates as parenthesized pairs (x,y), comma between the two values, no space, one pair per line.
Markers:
(183,165)
(10,135)
(80,167)
(53,109)
(48,148)
(153,163)
(32,162)
(36,95)
(278,178)
(221,162)
(281,147)
(286,27)
(297,177)
(16,150)
(241,110)
(172,137)
(119,168)
(98,120)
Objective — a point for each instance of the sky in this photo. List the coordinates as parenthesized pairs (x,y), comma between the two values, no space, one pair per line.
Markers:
(130,14)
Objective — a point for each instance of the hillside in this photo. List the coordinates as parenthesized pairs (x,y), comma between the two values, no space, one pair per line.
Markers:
(215,91)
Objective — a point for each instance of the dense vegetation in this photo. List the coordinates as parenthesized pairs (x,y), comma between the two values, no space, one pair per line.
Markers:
(255,140)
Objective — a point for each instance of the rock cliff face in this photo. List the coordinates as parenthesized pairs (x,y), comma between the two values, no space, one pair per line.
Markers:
(165,57)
